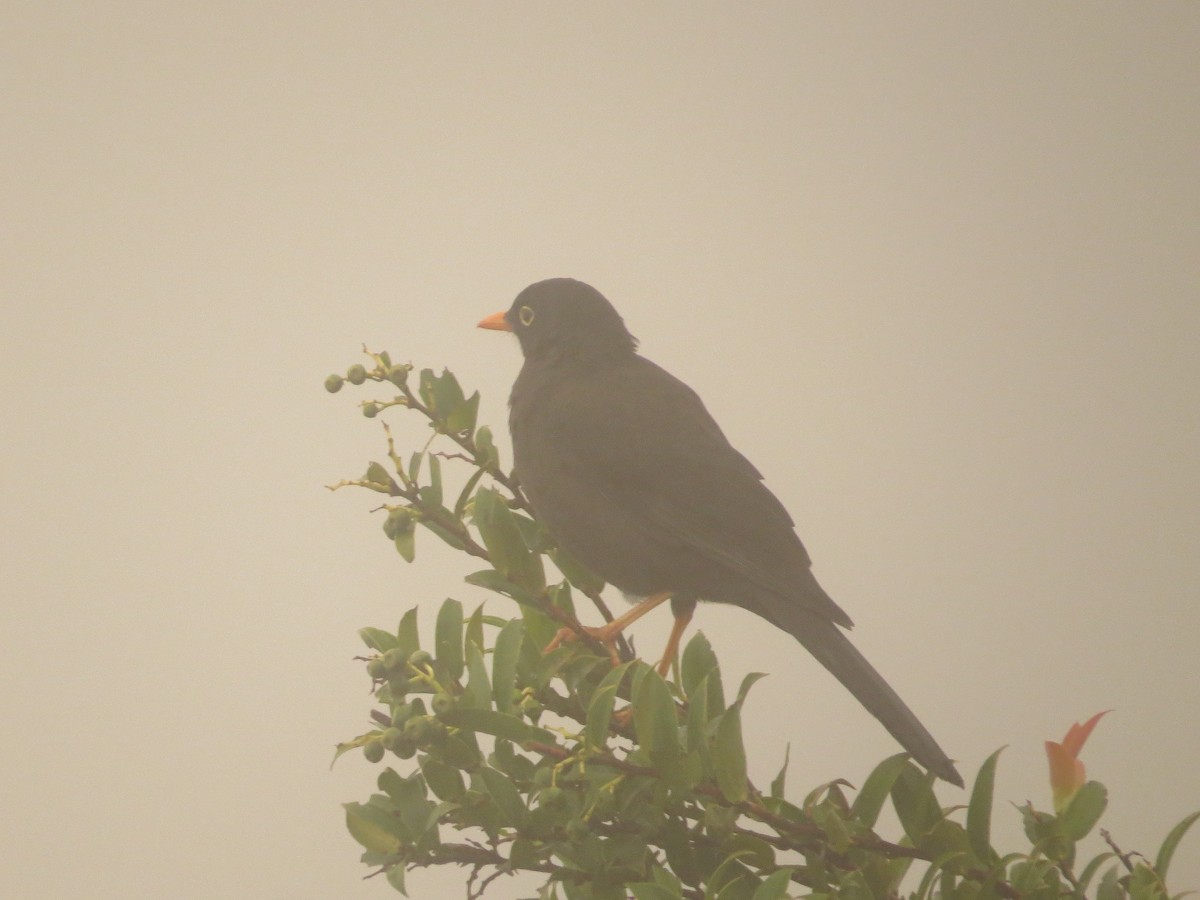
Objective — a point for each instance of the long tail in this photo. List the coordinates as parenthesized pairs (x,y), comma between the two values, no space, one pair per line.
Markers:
(833,650)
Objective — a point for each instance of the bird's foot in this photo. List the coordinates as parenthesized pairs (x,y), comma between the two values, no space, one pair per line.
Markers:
(605,634)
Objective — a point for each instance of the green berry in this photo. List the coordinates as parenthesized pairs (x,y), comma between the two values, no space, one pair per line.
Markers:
(552,797)
(418,728)
(390,736)
(401,714)
(421,658)
(377,669)
(393,660)
(356,374)
(333,383)
(406,747)
(370,410)
(442,704)
(398,376)
(373,750)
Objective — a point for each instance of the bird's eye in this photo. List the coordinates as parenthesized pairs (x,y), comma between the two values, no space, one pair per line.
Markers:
(525,314)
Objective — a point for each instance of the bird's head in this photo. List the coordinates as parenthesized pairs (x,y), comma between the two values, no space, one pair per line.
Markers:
(563,317)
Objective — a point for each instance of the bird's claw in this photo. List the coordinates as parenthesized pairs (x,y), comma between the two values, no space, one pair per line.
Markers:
(606,637)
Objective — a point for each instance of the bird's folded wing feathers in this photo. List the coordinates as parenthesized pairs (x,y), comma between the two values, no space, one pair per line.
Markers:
(665,452)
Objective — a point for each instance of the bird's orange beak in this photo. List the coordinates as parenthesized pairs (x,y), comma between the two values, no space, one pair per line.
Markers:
(495,322)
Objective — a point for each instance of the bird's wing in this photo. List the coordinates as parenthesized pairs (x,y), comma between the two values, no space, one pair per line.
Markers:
(661,452)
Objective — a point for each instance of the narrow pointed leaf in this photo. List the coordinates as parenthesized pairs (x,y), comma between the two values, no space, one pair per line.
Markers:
(407,637)
(505,795)
(448,643)
(775,886)
(432,492)
(504,664)
(465,494)
(697,661)
(497,724)
(654,718)
(1163,861)
(979,811)
(377,639)
(478,693)
(729,756)
(599,715)
(777,785)
(915,803)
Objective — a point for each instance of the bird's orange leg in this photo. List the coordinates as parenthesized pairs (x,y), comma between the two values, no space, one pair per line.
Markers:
(607,634)
(672,649)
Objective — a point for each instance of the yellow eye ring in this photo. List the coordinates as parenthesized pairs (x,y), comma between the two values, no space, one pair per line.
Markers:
(525,314)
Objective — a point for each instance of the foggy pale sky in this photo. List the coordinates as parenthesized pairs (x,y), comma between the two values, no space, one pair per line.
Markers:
(933,267)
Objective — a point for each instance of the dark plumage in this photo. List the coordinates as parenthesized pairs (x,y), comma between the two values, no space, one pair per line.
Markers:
(632,476)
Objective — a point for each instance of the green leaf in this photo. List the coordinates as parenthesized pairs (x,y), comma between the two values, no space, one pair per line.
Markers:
(488,721)
(462,418)
(1109,887)
(347,746)
(448,641)
(478,693)
(875,790)
(432,492)
(474,631)
(1089,872)
(407,637)
(465,493)
(575,572)
(729,756)
(377,474)
(654,718)
(979,811)
(377,639)
(748,682)
(697,719)
(915,803)
(599,714)
(1084,810)
(504,664)
(777,785)
(775,886)
(414,467)
(425,388)
(406,543)
(730,880)
(502,537)
(485,449)
(395,878)
(697,662)
(373,828)
(494,581)
(445,781)
(446,393)
(1163,861)
(505,795)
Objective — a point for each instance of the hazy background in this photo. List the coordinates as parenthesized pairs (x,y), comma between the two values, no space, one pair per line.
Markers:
(934,268)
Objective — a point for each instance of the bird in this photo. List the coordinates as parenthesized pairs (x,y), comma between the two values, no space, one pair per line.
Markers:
(633,477)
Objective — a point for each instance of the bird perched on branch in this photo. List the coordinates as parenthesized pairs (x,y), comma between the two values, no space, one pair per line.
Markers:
(635,479)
